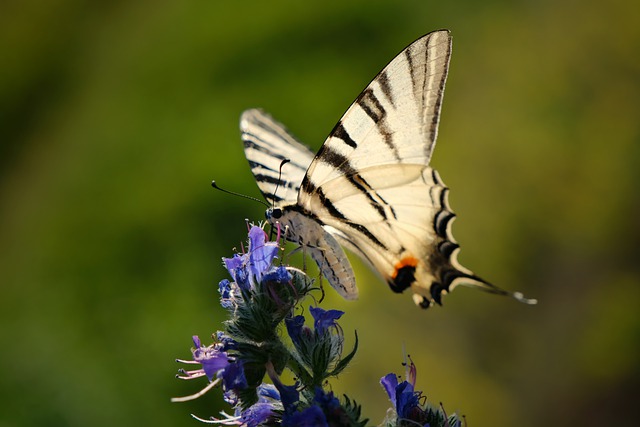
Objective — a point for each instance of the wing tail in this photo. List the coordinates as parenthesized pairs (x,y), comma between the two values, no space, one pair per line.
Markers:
(473,281)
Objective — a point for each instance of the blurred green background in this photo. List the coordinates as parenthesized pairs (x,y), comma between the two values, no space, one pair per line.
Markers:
(116,115)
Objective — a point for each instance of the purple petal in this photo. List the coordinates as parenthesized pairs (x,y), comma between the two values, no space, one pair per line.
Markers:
(324,319)
(406,400)
(257,238)
(233,264)
(196,341)
(294,327)
(261,252)
(257,414)
(390,382)
(242,278)
(233,377)
(289,396)
(211,359)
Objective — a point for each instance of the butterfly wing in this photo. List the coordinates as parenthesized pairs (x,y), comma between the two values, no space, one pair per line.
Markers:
(371,185)
(267,144)
(394,120)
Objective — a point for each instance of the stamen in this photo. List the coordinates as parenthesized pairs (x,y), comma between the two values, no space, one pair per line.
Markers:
(188,375)
(191,362)
(209,386)
(230,421)
(446,418)
(278,234)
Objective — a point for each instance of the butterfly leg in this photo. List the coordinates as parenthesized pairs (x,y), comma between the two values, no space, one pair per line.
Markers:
(321,265)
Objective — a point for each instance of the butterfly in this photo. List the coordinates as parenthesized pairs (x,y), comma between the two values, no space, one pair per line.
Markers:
(370,187)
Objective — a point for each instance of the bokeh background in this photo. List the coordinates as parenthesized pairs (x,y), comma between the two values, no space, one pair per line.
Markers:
(115,116)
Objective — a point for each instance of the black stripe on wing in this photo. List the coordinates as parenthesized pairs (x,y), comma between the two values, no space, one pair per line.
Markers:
(339,161)
(255,142)
(373,108)
(341,133)
(433,131)
(335,212)
(383,81)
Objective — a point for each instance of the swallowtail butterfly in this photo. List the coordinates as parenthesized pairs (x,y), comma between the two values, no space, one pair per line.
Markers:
(370,187)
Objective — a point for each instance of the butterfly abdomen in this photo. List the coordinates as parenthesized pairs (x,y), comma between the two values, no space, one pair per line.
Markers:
(304,229)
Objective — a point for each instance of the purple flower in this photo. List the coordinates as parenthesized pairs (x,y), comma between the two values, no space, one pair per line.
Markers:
(295,328)
(334,412)
(211,358)
(310,417)
(325,319)
(289,395)
(410,406)
(256,414)
(258,297)
(237,268)
(248,268)
(279,275)
(265,410)
(405,400)
(233,378)
(327,401)
(234,263)
(227,343)
(215,363)
(225,288)
(261,252)
(325,410)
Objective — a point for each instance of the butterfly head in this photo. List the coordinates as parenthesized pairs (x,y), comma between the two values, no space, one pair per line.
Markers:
(273,214)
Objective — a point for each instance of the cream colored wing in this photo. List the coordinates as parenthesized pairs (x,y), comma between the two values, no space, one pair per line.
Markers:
(371,186)
(267,144)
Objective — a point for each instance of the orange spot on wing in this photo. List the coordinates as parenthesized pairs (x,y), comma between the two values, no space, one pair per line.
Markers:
(407,261)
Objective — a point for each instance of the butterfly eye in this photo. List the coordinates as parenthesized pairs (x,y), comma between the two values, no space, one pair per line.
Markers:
(275,213)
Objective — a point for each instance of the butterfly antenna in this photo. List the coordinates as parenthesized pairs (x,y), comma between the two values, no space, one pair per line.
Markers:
(214,185)
(282,163)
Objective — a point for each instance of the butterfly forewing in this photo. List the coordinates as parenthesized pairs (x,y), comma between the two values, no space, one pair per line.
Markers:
(394,120)
(266,144)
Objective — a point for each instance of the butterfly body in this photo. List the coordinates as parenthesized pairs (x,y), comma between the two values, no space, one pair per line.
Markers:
(319,244)
(370,187)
